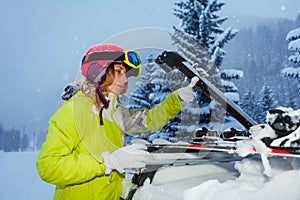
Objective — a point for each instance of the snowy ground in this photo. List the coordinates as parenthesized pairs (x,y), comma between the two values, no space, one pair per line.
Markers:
(241,180)
(19,178)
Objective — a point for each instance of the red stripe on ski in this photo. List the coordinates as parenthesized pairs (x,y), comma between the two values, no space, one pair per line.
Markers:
(197,146)
(281,151)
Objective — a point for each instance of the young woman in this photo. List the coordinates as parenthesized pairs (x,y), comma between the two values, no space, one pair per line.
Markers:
(84,153)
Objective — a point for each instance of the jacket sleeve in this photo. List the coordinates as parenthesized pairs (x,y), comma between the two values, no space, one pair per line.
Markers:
(58,162)
(143,120)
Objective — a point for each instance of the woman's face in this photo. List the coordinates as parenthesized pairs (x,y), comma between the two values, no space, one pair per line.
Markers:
(120,79)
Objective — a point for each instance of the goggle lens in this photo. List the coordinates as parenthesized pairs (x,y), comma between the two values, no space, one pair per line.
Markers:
(133,58)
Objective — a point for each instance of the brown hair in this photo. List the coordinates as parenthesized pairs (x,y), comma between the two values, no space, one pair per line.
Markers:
(89,87)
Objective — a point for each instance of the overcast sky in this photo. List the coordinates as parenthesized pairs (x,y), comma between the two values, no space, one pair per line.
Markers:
(264,8)
(42,41)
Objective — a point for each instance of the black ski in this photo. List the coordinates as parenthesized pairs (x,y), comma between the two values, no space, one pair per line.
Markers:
(228,148)
(170,60)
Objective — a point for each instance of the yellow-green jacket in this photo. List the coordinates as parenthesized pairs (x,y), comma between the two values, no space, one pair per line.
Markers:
(71,158)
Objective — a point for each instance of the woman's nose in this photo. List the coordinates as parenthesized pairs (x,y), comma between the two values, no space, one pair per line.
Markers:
(124,78)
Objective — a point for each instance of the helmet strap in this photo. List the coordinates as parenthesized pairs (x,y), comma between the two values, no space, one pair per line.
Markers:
(102,99)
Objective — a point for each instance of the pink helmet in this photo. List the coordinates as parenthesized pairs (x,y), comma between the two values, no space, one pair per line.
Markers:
(93,66)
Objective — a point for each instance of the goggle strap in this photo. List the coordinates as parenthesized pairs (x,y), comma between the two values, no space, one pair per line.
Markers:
(105,56)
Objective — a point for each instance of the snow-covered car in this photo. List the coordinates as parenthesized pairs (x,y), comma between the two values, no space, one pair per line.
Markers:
(240,180)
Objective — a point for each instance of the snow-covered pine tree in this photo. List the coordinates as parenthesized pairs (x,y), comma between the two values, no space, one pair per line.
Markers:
(231,91)
(266,102)
(293,37)
(292,102)
(200,38)
(249,104)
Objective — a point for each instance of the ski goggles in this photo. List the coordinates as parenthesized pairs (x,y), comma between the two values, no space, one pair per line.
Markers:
(129,57)
(132,59)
